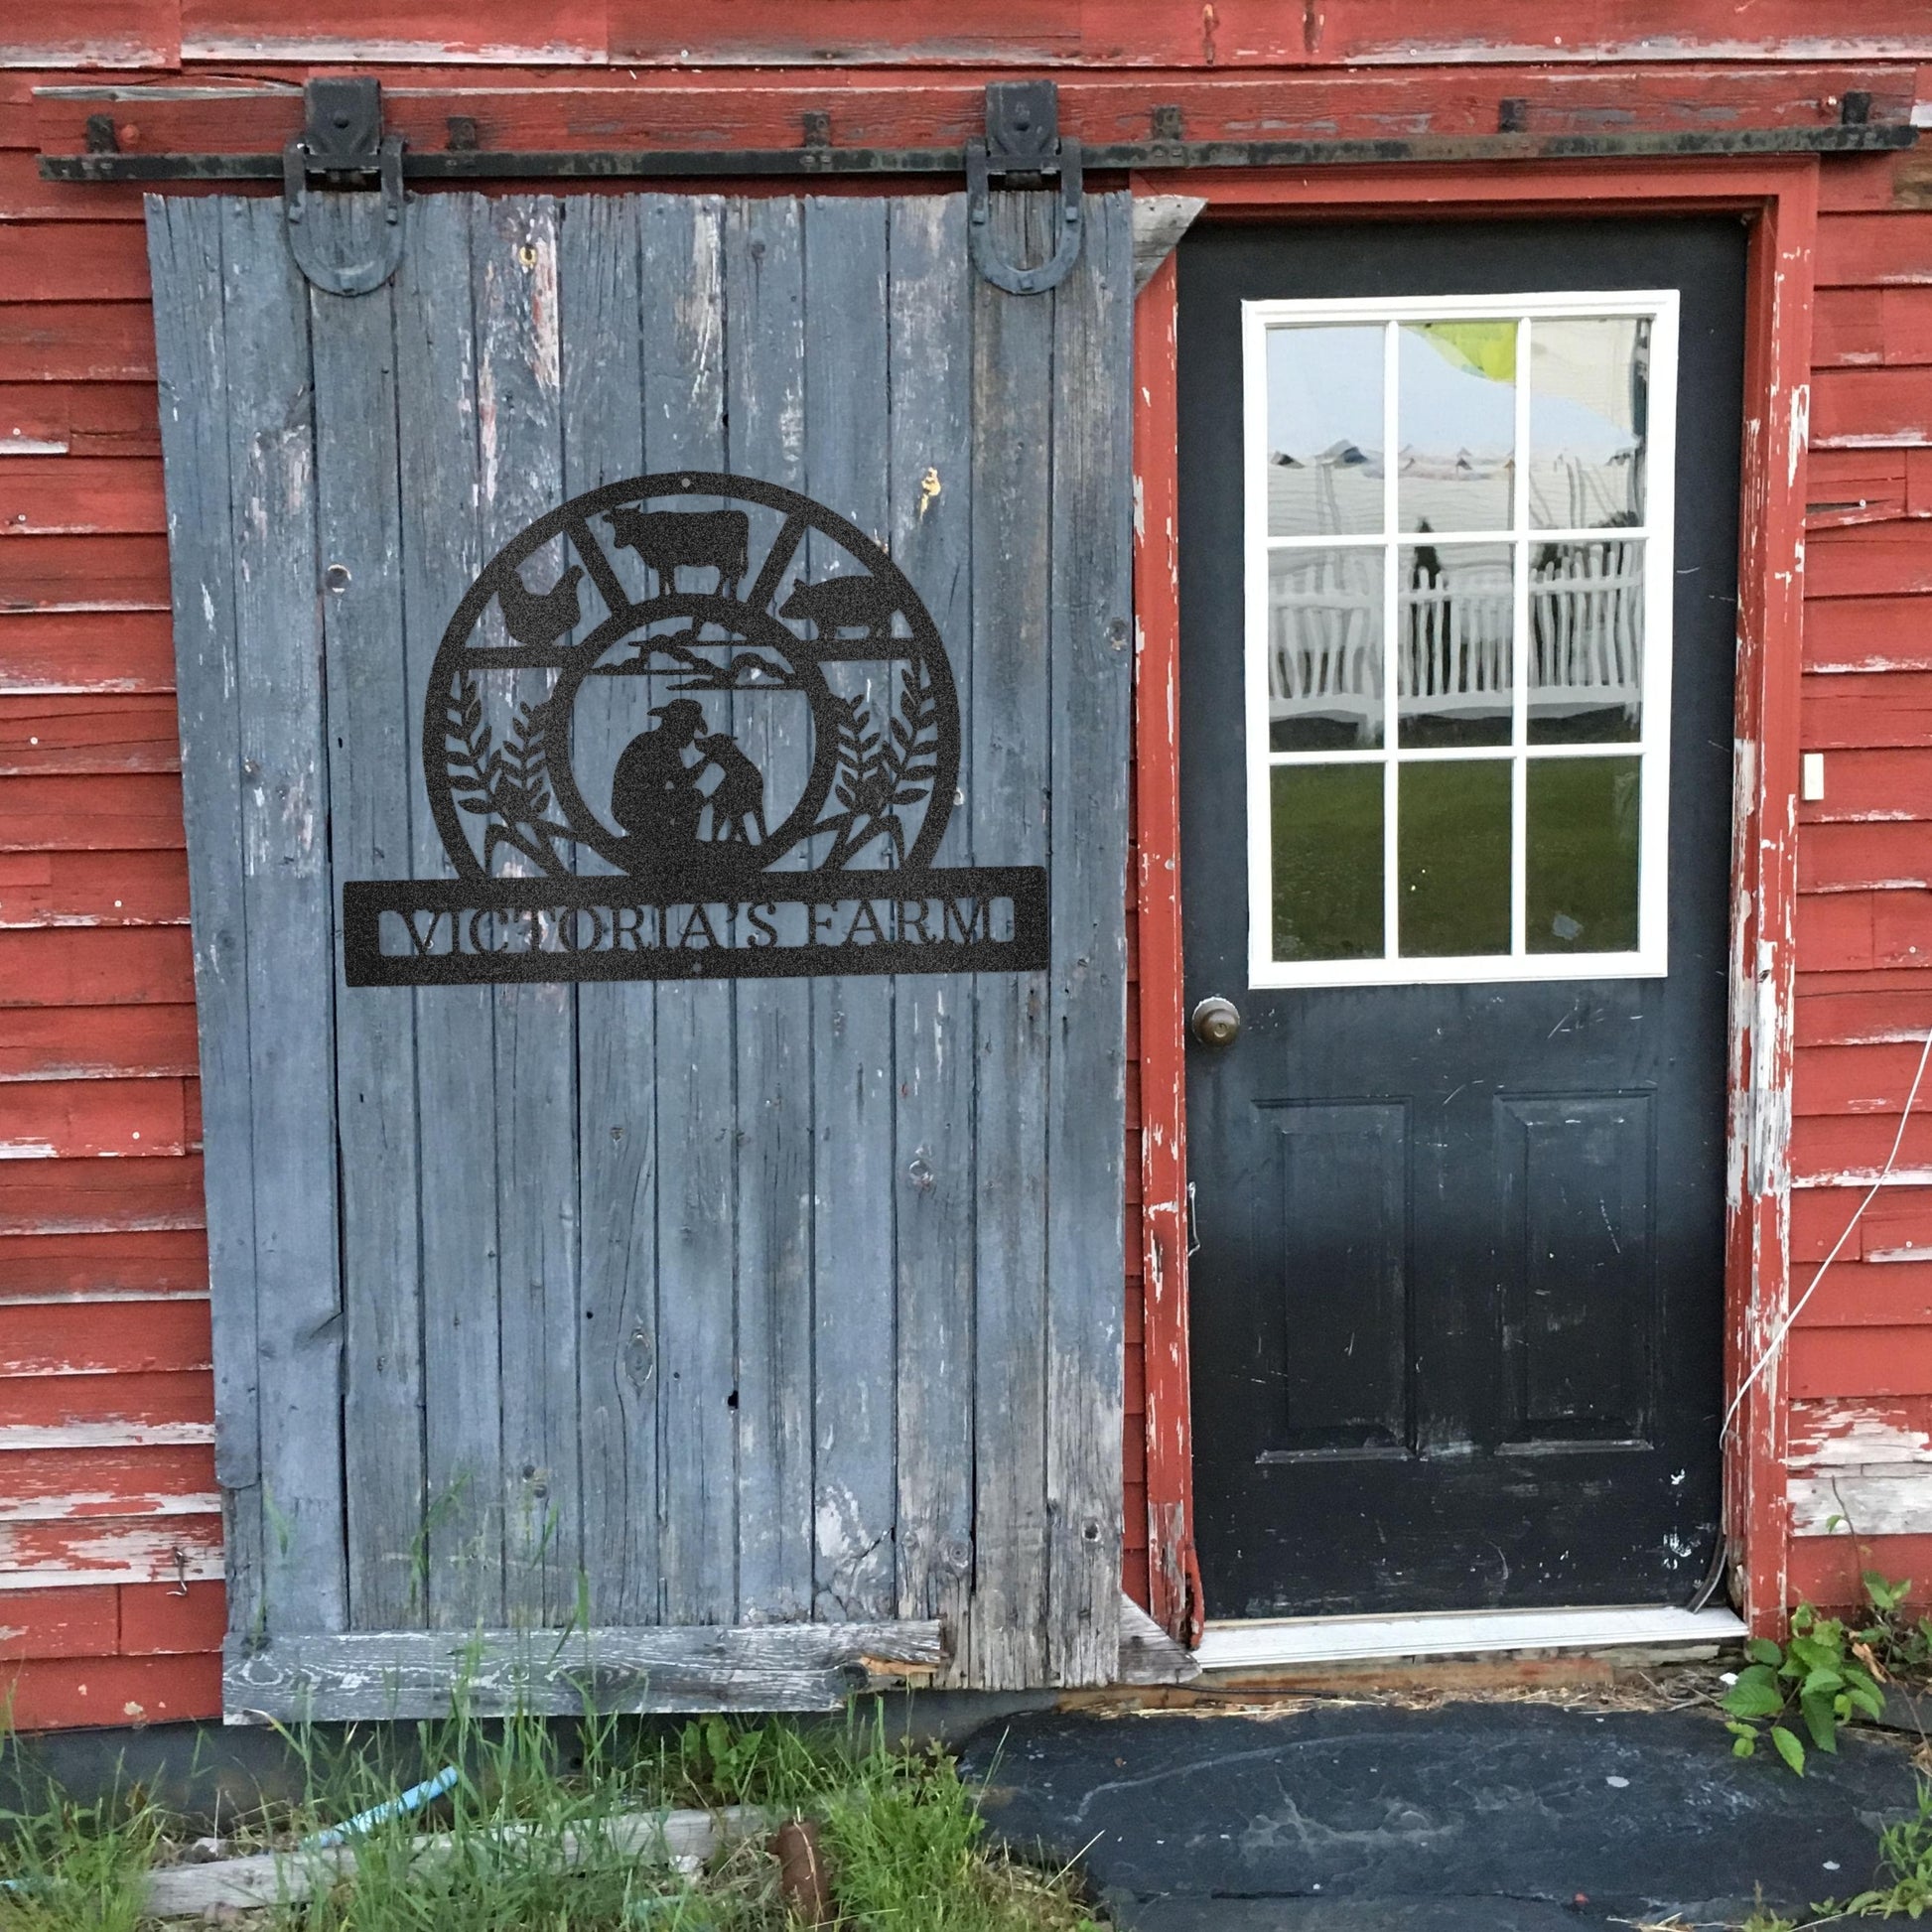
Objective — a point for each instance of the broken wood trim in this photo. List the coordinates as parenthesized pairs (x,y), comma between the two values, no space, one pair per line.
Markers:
(664,1671)
(1148,1655)
(1779,199)
(1160,220)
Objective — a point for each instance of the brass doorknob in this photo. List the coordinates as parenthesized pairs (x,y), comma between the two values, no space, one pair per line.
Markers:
(1215,1022)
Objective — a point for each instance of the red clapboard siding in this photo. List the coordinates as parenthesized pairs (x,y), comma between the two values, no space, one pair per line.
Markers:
(103,732)
(25,197)
(1859,1361)
(75,261)
(1817,1424)
(93,889)
(103,1337)
(1854,486)
(1854,1017)
(1868,183)
(86,652)
(74,495)
(60,1622)
(1859,1079)
(1871,407)
(494,31)
(102,34)
(1834,931)
(105,967)
(1827,1147)
(1896,1226)
(173,1406)
(1825,1570)
(163,1619)
(1854,857)
(83,573)
(41,1043)
(1869,1293)
(61,1693)
(79,419)
(77,342)
(1886,782)
(154,1263)
(89,1196)
(1234,33)
(1869,634)
(102,1549)
(150,1479)
(1892,327)
(1848,329)
(1854,710)
(1873,250)
(1872,560)
(1901,930)
(70,1119)
(118,812)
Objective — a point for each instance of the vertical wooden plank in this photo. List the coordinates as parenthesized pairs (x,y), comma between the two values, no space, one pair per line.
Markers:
(184,254)
(1764,893)
(373,760)
(933,1046)
(682,323)
(1010,733)
(616,1022)
(288,906)
(1090,670)
(1173,1594)
(440,459)
(765,306)
(845,456)
(513,266)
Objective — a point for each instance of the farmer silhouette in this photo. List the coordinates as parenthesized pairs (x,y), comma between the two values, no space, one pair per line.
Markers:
(659,791)
(655,795)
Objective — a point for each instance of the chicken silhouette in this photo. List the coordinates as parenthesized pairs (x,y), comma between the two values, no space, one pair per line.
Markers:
(541,618)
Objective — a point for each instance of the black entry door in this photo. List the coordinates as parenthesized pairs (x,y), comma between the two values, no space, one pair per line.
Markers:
(1463,667)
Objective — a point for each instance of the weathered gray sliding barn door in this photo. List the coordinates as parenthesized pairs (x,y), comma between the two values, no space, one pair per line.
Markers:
(602,1238)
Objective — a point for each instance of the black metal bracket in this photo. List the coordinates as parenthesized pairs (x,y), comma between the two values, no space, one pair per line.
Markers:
(342,143)
(1024,141)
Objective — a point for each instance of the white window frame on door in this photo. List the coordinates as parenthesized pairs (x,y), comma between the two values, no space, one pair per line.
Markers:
(1650,958)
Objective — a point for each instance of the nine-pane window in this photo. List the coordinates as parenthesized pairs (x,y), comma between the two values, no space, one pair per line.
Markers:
(1459,558)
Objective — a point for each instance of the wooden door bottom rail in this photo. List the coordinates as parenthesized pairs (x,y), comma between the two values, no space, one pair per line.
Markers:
(409,1674)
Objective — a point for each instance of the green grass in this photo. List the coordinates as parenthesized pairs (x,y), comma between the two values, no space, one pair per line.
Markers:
(70,1867)
(527,1835)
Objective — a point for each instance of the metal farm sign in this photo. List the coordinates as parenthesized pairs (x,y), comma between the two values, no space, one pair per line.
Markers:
(681,852)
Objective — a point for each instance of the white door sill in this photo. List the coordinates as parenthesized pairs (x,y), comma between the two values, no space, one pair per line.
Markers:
(1272,1642)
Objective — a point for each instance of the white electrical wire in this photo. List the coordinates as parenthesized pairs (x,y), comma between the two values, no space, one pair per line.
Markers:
(1784,1327)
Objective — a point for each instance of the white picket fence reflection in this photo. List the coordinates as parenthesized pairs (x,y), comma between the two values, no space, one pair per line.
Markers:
(1452,634)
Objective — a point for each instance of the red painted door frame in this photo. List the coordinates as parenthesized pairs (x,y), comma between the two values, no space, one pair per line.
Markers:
(1779,199)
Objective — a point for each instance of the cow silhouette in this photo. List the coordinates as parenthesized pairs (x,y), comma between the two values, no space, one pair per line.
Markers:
(668,541)
(838,606)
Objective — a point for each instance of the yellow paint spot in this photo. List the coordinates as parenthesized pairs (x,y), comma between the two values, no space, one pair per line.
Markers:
(928,489)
